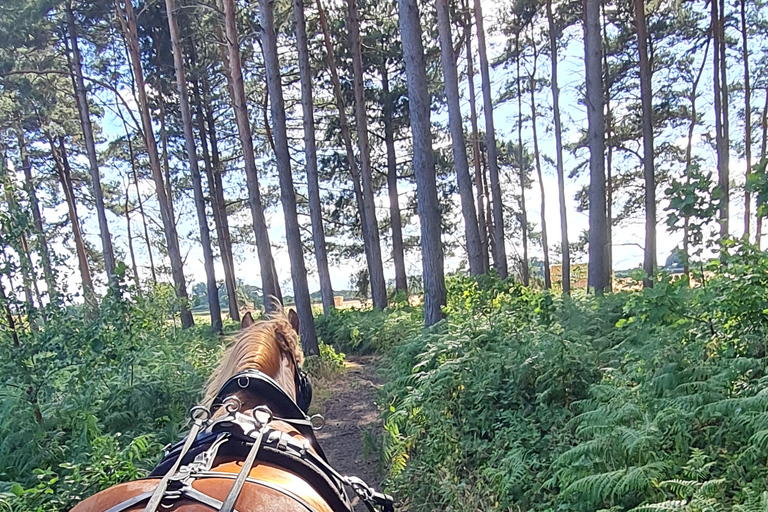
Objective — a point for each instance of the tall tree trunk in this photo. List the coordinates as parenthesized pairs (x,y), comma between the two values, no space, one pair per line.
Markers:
(376,270)
(61,163)
(398,253)
(458,144)
(90,147)
(214,171)
(721,113)
(482,228)
(747,116)
(688,158)
(725,185)
(500,251)
(197,186)
(130,244)
(22,249)
(270,284)
(8,314)
(218,207)
(127,21)
(423,162)
(646,98)
(163,129)
(566,250)
(598,272)
(488,201)
(763,161)
(42,242)
(347,138)
(287,193)
(139,200)
(540,173)
(521,168)
(609,148)
(141,212)
(310,151)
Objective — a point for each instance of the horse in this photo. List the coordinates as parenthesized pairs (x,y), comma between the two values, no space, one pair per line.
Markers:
(251,446)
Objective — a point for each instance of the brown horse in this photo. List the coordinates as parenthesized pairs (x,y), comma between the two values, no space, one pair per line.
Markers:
(251,446)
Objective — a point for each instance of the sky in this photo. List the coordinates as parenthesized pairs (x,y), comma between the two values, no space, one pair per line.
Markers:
(627,238)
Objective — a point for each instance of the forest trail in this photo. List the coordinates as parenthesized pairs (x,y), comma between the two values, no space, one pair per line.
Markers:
(348,403)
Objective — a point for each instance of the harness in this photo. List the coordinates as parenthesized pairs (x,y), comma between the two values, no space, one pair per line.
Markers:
(239,435)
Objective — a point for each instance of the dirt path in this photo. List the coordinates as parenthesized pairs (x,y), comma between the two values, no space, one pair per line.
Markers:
(351,415)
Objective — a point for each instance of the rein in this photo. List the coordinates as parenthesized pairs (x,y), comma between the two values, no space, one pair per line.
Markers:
(237,433)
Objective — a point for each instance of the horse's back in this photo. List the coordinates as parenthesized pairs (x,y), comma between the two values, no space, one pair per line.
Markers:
(268,488)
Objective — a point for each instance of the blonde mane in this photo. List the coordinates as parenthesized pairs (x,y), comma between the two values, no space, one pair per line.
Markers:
(259,347)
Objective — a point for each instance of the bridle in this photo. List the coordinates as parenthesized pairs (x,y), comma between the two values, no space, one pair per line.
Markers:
(303,386)
(235,433)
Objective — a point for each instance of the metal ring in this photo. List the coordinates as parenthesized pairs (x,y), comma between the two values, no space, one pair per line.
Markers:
(232,404)
(317,421)
(262,409)
(247,381)
(200,413)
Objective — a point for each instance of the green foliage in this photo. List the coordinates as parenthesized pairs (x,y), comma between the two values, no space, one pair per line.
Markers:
(649,400)
(353,330)
(326,365)
(88,401)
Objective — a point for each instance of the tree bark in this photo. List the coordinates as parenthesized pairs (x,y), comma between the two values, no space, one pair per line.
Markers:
(139,200)
(346,136)
(500,252)
(598,271)
(287,193)
(61,163)
(129,234)
(763,160)
(90,147)
(22,249)
(521,168)
(213,170)
(376,269)
(163,128)
(127,21)
(721,113)
(270,284)
(141,212)
(688,157)
(747,116)
(482,227)
(540,173)
(310,151)
(458,144)
(565,245)
(646,98)
(395,220)
(197,186)
(42,242)
(423,162)
(8,315)
(609,148)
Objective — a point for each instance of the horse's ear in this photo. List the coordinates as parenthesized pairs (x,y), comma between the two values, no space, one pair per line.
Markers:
(247,320)
(294,319)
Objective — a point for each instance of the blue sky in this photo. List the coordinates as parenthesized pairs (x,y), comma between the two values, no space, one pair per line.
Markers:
(627,238)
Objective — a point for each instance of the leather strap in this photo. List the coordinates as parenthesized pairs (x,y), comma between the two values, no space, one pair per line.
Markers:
(157,495)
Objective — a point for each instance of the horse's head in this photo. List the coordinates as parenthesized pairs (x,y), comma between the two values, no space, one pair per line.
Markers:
(270,346)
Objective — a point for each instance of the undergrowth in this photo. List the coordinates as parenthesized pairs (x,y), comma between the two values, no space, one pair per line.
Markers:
(88,400)
(517,400)
(521,400)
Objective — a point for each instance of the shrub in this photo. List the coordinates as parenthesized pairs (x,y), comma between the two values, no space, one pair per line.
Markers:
(326,365)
